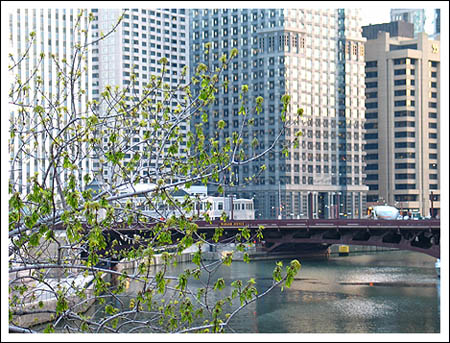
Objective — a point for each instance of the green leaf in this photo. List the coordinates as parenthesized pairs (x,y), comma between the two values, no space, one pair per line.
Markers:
(228,259)
(219,285)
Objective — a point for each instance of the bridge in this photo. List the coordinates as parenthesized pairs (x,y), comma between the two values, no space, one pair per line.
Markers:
(415,235)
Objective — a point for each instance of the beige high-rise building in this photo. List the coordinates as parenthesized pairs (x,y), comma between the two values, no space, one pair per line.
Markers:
(402,123)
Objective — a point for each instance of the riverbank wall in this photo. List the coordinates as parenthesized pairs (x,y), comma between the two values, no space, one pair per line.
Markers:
(255,253)
(39,302)
(334,249)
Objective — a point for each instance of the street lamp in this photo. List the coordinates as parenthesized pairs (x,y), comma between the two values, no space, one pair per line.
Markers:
(338,205)
(432,207)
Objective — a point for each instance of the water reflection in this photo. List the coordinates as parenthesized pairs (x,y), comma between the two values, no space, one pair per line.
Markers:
(388,292)
(383,292)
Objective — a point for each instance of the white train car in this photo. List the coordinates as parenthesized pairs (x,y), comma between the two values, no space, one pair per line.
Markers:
(235,209)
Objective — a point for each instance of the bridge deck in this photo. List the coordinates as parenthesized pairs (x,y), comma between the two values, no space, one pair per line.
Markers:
(325,223)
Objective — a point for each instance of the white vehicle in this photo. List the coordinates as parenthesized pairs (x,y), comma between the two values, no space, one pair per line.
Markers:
(235,209)
(385,212)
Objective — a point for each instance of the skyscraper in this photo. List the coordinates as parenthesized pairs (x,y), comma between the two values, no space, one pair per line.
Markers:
(129,58)
(403,111)
(41,45)
(415,16)
(317,57)
(437,23)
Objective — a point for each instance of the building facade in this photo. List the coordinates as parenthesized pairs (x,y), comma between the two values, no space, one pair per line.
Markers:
(415,16)
(437,24)
(129,59)
(41,42)
(317,57)
(402,113)
(395,29)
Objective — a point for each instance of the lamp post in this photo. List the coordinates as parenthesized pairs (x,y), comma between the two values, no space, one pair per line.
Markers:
(432,208)
(338,204)
(232,207)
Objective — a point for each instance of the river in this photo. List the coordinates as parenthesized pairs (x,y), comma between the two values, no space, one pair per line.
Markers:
(371,292)
(379,292)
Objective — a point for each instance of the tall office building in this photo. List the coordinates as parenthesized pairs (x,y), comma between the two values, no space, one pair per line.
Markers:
(317,57)
(437,23)
(129,58)
(415,16)
(54,35)
(395,29)
(402,112)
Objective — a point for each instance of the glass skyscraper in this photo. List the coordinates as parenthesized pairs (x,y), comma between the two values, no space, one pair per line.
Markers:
(414,16)
(317,57)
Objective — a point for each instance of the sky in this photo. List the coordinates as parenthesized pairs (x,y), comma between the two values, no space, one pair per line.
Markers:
(375,15)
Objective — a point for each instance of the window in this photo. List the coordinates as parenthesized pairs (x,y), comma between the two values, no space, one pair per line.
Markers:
(372,157)
(401,92)
(372,198)
(405,176)
(405,166)
(371,136)
(404,134)
(398,61)
(404,113)
(400,82)
(406,197)
(402,47)
(371,146)
(373,166)
(404,124)
(400,72)
(405,186)
(400,145)
(404,155)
